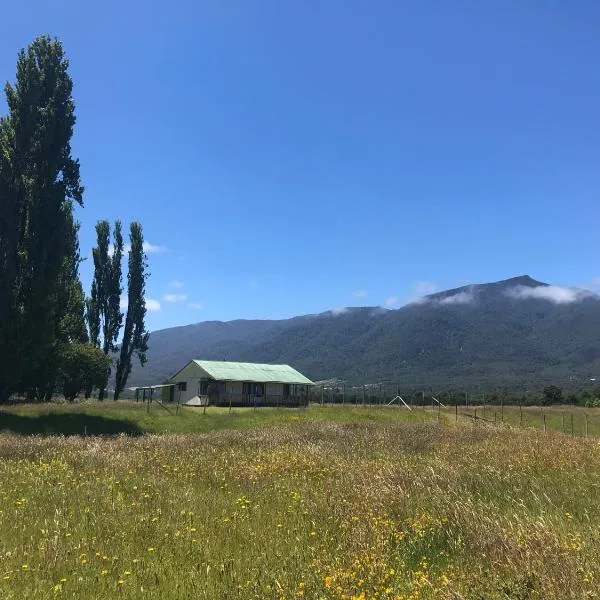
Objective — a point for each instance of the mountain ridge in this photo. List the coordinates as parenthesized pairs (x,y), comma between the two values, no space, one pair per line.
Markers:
(509,332)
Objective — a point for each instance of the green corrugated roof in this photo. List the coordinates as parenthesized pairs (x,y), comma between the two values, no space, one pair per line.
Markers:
(237,371)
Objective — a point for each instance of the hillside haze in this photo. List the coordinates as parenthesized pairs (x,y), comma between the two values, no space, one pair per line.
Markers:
(510,333)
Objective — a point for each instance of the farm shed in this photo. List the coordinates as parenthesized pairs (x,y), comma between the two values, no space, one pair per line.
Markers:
(224,383)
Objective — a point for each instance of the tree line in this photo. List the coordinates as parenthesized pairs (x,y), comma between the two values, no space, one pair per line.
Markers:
(52,338)
(549,395)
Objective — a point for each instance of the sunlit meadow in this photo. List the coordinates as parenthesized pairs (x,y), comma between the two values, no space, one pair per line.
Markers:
(302,509)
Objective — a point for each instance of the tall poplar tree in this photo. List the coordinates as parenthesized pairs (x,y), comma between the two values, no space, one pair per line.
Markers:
(39,182)
(104,313)
(135,336)
(70,327)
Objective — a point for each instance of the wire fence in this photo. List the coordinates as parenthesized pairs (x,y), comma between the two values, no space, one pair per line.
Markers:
(568,419)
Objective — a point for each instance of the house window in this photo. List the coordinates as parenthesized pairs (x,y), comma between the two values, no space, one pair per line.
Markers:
(250,388)
(183,386)
(204,387)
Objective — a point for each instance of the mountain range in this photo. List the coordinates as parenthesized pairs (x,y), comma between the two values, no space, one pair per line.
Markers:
(511,333)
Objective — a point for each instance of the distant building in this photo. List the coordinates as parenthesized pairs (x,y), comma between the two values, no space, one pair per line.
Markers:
(222,383)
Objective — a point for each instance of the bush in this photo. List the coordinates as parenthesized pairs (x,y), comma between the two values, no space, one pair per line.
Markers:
(552,394)
(82,366)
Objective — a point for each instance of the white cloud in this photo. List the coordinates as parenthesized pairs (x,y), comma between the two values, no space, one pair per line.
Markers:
(148,249)
(176,284)
(593,285)
(424,288)
(392,301)
(360,294)
(338,311)
(174,297)
(458,298)
(553,293)
(418,292)
(196,305)
(152,305)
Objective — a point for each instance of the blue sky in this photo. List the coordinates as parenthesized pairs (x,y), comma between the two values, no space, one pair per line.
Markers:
(293,157)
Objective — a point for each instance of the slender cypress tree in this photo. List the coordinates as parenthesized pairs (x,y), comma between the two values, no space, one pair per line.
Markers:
(92,319)
(135,336)
(92,316)
(39,182)
(103,307)
(71,327)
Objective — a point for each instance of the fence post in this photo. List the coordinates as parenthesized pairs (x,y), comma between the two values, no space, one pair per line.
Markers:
(456,412)
(520,415)
(502,408)
(439,415)
(544,419)
(364,395)
(563,422)
(322,393)
(467,401)
(572,430)
(586,425)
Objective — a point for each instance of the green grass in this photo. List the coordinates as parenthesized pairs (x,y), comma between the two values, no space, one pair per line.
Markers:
(98,418)
(93,418)
(325,503)
(566,419)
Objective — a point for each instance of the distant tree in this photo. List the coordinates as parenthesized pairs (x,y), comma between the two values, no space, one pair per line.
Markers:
(39,182)
(103,307)
(135,336)
(81,365)
(551,394)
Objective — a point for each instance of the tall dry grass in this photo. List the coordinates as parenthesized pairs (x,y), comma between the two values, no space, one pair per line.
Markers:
(305,510)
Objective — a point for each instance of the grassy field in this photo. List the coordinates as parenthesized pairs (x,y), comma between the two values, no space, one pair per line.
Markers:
(571,420)
(313,503)
(131,418)
(99,418)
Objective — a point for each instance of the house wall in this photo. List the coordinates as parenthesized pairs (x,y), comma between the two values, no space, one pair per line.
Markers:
(274,389)
(190,371)
(191,374)
(193,378)
(234,387)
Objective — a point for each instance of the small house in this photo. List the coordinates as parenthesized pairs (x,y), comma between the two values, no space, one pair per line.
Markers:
(224,383)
